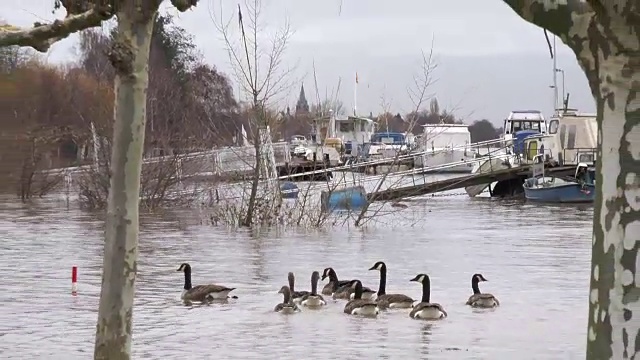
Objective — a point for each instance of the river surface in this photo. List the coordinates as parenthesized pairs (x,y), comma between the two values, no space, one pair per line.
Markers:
(536,259)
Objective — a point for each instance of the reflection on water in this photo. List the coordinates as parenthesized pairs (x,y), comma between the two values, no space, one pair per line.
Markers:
(535,257)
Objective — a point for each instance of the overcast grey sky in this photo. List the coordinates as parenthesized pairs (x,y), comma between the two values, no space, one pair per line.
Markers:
(489,60)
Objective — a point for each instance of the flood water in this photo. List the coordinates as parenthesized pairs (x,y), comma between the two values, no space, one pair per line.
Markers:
(536,259)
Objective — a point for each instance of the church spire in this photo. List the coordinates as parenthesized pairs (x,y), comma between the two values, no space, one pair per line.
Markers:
(302,106)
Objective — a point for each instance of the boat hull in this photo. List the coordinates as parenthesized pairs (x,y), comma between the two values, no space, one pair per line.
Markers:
(565,193)
(487,165)
(438,158)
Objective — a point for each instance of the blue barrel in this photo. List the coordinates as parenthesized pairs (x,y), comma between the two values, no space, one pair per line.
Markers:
(289,190)
(351,198)
(518,140)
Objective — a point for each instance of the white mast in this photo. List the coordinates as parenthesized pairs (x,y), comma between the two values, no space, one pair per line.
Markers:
(555,78)
(355,97)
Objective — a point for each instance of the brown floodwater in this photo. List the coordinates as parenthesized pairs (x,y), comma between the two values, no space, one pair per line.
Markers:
(536,259)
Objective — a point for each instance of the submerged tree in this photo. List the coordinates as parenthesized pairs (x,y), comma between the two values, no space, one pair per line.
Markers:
(260,72)
(129,56)
(605,36)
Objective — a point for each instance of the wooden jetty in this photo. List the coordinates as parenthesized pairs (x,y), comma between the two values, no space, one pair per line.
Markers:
(518,173)
(305,170)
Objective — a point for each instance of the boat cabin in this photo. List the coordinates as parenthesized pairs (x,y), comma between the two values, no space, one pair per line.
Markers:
(572,139)
(298,140)
(444,136)
(389,138)
(585,173)
(348,128)
(353,131)
(575,138)
(524,120)
(386,144)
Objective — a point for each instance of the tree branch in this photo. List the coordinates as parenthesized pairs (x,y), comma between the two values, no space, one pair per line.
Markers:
(42,36)
(184,5)
(556,16)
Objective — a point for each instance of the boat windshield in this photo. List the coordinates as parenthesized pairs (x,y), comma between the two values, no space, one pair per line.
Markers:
(517,125)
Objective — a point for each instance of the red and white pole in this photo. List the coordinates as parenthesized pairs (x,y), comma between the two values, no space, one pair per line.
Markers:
(74,280)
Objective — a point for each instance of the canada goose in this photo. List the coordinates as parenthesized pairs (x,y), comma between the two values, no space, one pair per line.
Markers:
(312,299)
(286,306)
(479,299)
(359,306)
(295,295)
(202,293)
(347,292)
(425,309)
(334,284)
(367,294)
(392,301)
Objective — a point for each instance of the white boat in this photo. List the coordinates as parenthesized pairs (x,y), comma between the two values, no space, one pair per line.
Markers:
(354,131)
(523,120)
(571,138)
(499,160)
(442,144)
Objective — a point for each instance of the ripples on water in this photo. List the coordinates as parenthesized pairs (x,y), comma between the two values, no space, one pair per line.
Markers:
(535,258)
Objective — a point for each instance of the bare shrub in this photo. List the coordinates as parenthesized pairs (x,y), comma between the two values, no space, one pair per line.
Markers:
(162,181)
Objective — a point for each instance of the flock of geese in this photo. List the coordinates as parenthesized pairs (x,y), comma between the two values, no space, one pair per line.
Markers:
(362,301)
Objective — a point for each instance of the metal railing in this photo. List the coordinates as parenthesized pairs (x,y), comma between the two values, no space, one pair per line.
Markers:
(578,155)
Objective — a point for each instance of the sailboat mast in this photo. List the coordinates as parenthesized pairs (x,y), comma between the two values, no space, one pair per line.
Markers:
(555,77)
(355,97)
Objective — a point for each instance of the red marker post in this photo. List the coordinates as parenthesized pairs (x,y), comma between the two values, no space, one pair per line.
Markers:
(74,280)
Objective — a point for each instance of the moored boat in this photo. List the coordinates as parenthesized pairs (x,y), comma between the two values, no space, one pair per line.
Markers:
(552,189)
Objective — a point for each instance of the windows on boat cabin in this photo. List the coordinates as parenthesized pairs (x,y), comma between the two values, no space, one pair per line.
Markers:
(513,126)
(567,133)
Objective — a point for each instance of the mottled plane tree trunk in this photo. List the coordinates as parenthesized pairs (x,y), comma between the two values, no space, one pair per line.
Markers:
(605,36)
(129,55)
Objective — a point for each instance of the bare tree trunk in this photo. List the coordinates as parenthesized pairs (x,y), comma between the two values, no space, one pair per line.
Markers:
(130,55)
(606,40)
(256,170)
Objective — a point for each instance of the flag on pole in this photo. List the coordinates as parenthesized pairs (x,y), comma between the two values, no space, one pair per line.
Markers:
(356,77)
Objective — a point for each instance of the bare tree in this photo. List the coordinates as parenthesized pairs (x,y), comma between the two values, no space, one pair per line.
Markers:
(419,95)
(129,55)
(605,37)
(261,74)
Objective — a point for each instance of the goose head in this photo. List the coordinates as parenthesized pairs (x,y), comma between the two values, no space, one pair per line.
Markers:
(327,273)
(185,267)
(478,278)
(421,278)
(354,283)
(285,291)
(380,265)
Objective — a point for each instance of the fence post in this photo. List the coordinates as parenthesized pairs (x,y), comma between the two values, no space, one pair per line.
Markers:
(67,185)
(179,172)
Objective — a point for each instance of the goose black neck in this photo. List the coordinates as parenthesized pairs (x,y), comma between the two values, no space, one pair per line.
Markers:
(383,281)
(333,279)
(333,276)
(187,278)
(291,283)
(314,286)
(474,285)
(287,297)
(357,293)
(426,290)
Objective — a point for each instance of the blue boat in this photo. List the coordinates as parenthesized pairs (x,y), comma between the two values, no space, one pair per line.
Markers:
(550,189)
(289,190)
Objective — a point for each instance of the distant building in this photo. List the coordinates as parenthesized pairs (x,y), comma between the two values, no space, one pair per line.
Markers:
(302,107)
